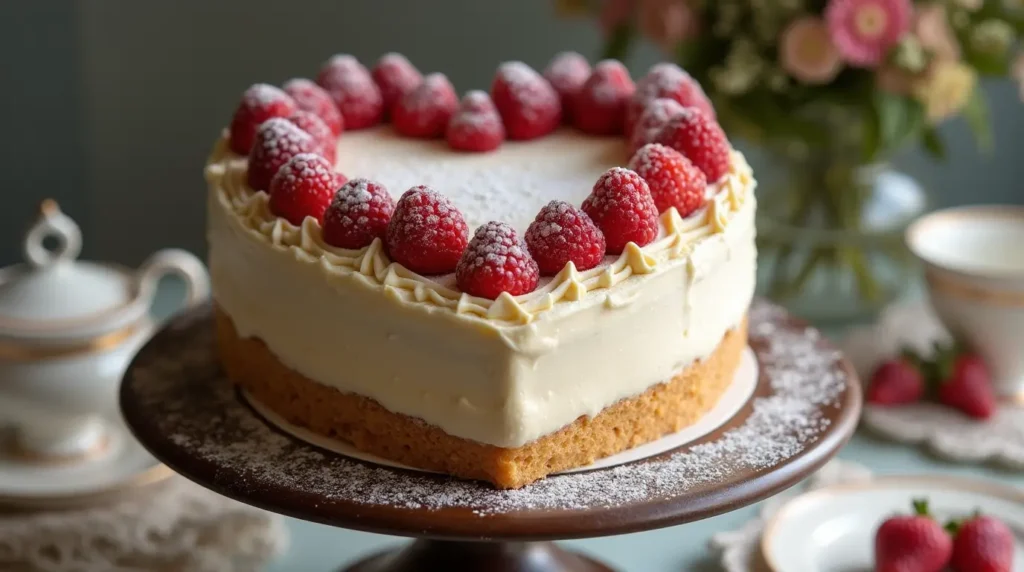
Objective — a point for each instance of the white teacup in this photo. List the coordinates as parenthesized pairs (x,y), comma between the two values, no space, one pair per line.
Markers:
(974,271)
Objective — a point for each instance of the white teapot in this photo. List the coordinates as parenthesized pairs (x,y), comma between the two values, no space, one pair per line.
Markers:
(67,332)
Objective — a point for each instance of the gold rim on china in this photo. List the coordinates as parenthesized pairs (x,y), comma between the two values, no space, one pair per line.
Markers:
(21,351)
(941,282)
(990,488)
(150,477)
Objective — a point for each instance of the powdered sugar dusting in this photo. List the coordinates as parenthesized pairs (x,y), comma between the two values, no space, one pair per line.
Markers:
(181,394)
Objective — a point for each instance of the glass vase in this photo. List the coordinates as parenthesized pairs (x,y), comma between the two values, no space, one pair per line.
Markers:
(830,236)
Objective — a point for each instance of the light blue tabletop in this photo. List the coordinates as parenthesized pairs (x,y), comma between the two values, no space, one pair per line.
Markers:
(317,548)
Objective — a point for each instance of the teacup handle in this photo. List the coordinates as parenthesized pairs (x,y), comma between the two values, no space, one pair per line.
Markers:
(181,263)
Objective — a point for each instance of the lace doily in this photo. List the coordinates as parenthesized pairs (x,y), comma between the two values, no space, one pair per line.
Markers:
(944,431)
(740,550)
(177,526)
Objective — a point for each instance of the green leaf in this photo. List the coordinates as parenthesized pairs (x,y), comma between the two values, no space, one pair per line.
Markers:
(977,115)
(898,119)
(932,143)
(872,134)
(619,43)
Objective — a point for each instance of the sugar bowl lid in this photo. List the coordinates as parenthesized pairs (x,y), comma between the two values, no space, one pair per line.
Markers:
(53,295)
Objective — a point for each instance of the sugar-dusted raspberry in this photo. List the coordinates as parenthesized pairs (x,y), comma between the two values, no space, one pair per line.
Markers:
(562,233)
(600,107)
(314,99)
(360,212)
(350,86)
(395,76)
(476,126)
(277,141)
(655,116)
(303,187)
(674,181)
(496,261)
(528,105)
(698,136)
(259,103)
(427,234)
(567,73)
(312,124)
(425,111)
(622,207)
(669,81)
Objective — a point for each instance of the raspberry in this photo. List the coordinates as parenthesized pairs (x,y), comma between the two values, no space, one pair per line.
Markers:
(395,76)
(654,117)
(353,91)
(277,141)
(622,207)
(562,233)
(674,181)
(567,73)
(424,112)
(259,103)
(600,107)
(528,105)
(696,135)
(311,97)
(302,187)
(427,234)
(476,126)
(669,81)
(359,213)
(496,261)
(321,133)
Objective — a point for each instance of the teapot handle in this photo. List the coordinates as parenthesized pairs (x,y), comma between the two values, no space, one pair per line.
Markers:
(182,263)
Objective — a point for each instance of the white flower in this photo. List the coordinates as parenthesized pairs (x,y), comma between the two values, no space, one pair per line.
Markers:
(992,36)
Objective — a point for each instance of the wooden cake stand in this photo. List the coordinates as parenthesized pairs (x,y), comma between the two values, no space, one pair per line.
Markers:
(804,408)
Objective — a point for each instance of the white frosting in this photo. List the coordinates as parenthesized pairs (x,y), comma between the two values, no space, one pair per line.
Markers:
(503,372)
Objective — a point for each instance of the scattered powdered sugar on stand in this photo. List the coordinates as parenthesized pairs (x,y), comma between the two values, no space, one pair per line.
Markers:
(177,382)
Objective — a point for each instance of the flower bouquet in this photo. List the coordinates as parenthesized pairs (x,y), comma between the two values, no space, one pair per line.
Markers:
(829,90)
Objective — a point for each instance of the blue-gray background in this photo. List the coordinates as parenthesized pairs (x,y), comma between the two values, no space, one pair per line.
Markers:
(110,106)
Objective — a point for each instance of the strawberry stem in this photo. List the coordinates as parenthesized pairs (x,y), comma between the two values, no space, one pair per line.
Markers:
(921,507)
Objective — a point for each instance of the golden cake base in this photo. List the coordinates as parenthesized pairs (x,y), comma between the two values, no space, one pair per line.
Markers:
(361,421)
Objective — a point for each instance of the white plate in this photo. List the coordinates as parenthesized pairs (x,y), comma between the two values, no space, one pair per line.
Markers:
(833,529)
(735,397)
(126,466)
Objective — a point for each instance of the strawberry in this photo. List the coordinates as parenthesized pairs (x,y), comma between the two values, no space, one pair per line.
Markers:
(696,135)
(424,112)
(277,141)
(600,106)
(896,382)
(562,233)
(427,234)
(674,181)
(395,76)
(476,126)
(303,187)
(622,207)
(259,103)
(496,261)
(321,133)
(964,383)
(912,543)
(352,88)
(982,544)
(311,97)
(567,73)
(667,80)
(528,105)
(359,212)
(654,117)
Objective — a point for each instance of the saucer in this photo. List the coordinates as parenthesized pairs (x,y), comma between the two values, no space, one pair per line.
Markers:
(124,466)
(832,529)
(735,397)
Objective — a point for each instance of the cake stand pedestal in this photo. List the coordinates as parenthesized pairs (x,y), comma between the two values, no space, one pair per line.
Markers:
(804,408)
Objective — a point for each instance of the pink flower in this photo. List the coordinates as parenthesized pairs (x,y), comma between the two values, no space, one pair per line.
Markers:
(865,30)
(667,22)
(614,13)
(931,26)
(807,52)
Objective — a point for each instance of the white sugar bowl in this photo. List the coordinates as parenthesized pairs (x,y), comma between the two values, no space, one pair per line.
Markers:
(68,329)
